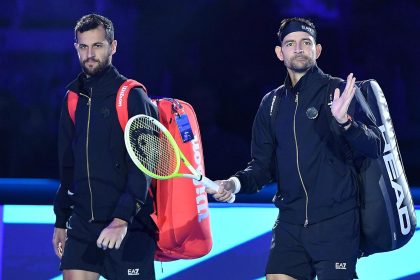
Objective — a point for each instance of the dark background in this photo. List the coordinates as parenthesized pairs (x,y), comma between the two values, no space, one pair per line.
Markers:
(216,54)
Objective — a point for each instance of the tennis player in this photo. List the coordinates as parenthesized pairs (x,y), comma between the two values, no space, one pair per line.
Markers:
(102,208)
(308,145)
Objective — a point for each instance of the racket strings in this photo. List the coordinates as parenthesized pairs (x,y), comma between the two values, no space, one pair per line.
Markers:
(152,147)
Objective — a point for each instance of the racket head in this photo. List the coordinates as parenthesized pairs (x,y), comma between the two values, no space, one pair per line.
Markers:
(151,147)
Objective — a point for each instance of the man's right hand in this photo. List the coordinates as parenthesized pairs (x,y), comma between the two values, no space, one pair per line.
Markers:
(226,190)
(59,241)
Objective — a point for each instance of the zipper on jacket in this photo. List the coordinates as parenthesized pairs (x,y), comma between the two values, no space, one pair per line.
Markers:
(297,161)
(89,103)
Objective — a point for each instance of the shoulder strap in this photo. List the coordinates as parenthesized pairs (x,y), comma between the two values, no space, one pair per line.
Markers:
(121,103)
(362,93)
(332,85)
(278,93)
(72,99)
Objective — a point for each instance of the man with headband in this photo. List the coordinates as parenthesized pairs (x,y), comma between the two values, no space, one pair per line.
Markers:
(303,142)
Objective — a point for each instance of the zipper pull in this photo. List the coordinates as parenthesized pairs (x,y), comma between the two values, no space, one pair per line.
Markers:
(90,97)
(297,97)
(306,223)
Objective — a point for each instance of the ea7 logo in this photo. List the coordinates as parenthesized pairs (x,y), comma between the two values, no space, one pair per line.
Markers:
(133,271)
(340,265)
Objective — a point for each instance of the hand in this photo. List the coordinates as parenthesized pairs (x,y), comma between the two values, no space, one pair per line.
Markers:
(59,241)
(112,235)
(340,104)
(226,190)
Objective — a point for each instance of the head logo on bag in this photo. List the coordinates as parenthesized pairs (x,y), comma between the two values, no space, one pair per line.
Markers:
(388,219)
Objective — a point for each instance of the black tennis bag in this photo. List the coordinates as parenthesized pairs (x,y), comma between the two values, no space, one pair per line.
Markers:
(388,219)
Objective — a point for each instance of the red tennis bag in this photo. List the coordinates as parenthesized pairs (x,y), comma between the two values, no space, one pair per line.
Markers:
(181,207)
(182,214)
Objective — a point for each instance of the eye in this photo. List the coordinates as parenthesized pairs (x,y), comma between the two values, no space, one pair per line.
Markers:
(98,46)
(288,44)
(308,43)
(82,47)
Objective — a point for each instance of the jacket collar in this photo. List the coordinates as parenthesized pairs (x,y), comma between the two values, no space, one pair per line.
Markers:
(105,79)
(313,79)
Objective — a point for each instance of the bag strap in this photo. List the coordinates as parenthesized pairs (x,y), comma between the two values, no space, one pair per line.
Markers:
(121,103)
(72,99)
(274,108)
(333,83)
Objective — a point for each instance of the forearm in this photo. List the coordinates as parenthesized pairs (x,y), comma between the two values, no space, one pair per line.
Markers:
(135,193)
(365,140)
(62,201)
(254,177)
(62,207)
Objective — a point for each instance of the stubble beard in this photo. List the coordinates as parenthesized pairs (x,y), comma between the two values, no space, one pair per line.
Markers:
(299,65)
(95,70)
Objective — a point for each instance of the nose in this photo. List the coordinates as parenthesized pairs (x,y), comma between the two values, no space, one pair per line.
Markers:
(298,48)
(90,53)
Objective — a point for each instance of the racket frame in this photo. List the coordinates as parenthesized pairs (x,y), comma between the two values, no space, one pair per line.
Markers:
(178,155)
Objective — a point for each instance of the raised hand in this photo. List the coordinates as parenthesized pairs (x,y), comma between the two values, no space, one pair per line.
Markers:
(341,103)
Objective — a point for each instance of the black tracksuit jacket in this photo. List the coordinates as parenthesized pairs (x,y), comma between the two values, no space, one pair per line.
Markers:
(306,151)
(99,181)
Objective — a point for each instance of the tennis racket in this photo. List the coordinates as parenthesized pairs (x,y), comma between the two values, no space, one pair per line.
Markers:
(155,152)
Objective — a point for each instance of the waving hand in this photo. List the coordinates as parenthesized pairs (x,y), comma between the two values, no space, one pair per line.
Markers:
(341,103)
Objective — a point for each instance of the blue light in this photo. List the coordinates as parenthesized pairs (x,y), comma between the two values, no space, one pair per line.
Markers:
(392,265)
(28,214)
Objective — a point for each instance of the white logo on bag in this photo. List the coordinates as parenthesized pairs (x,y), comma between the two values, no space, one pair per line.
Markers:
(340,265)
(395,172)
(133,271)
(201,199)
(120,97)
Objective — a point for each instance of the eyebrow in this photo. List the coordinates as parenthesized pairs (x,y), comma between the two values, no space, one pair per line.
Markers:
(303,39)
(95,43)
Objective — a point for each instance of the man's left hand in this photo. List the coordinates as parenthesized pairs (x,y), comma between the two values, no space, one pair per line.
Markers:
(341,103)
(112,236)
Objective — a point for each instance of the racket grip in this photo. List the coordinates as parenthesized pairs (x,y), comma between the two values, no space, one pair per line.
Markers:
(212,185)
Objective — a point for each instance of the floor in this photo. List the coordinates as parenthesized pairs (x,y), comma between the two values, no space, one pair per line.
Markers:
(241,239)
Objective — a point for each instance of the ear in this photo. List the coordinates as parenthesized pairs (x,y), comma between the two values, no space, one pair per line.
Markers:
(318,49)
(279,53)
(114,46)
(75,45)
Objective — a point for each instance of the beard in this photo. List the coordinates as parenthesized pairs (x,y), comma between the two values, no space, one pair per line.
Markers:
(92,71)
(300,63)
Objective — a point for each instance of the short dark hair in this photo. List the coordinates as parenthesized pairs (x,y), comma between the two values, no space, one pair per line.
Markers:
(92,21)
(286,21)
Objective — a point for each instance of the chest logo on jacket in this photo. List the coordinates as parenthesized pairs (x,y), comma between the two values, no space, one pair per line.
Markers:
(105,112)
(312,113)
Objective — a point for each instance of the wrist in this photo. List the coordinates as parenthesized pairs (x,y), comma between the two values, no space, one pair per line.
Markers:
(347,123)
(236,183)
(119,222)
